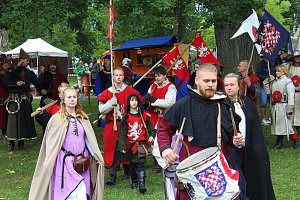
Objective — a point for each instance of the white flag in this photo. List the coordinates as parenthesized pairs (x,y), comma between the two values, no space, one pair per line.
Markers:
(250,25)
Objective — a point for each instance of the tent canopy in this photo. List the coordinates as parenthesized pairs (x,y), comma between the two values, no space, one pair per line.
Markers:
(147,43)
(296,40)
(37,47)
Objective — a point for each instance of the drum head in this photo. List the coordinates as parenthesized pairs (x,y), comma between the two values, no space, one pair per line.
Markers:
(12,106)
(197,157)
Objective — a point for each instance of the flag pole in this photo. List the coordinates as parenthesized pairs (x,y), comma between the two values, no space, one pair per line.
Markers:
(140,79)
(154,66)
(270,86)
(249,63)
(115,128)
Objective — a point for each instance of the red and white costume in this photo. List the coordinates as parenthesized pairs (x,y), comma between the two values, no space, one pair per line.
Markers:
(166,97)
(294,74)
(109,136)
(135,131)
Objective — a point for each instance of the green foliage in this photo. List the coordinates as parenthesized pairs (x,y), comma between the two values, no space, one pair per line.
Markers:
(64,37)
(277,8)
(209,37)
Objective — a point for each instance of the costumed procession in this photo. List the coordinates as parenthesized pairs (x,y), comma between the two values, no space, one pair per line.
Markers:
(162,117)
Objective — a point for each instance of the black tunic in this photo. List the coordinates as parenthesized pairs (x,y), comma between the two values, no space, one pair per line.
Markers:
(256,165)
(20,126)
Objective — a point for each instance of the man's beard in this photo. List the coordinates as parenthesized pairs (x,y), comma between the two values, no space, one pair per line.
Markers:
(207,93)
(52,70)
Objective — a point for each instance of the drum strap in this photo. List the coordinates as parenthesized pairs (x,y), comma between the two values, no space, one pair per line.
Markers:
(219,137)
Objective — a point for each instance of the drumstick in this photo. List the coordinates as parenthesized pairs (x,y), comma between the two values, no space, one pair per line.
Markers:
(233,122)
(43,108)
(178,136)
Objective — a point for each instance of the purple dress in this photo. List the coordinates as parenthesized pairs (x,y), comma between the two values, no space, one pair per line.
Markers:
(75,143)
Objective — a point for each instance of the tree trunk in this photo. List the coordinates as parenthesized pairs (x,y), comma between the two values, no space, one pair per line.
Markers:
(231,52)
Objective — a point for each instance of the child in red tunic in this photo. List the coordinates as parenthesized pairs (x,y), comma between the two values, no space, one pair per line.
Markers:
(135,129)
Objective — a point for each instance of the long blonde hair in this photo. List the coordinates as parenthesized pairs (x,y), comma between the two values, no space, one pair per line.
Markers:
(78,109)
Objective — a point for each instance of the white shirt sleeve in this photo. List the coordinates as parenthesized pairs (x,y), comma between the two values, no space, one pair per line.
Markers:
(105,108)
(169,100)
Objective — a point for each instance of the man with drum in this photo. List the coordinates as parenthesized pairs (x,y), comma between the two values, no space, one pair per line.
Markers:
(294,74)
(20,126)
(200,108)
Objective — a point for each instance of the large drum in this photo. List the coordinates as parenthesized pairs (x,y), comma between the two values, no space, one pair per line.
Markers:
(206,175)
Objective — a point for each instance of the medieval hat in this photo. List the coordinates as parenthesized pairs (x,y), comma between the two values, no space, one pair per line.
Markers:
(125,61)
(296,54)
(23,54)
(54,62)
(2,58)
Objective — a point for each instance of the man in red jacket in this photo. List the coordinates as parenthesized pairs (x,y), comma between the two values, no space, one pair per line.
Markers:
(107,102)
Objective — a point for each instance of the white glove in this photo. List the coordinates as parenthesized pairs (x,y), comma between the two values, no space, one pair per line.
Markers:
(113,101)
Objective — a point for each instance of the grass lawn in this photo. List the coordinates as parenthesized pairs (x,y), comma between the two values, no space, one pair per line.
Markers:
(17,168)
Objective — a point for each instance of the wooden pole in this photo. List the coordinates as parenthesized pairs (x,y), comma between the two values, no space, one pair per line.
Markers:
(96,120)
(43,108)
(115,128)
(270,86)
(144,123)
(154,66)
(179,135)
(233,122)
(181,54)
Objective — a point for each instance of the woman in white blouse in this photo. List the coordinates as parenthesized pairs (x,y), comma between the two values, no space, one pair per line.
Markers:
(252,158)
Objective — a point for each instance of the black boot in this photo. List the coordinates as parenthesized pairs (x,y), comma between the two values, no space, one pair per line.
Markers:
(111,180)
(134,184)
(296,144)
(11,146)
(126,174)
(21,145)
(279,142)
(142,187)
(134,177)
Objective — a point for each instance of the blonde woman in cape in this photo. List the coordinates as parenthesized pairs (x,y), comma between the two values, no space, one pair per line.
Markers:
(68,133)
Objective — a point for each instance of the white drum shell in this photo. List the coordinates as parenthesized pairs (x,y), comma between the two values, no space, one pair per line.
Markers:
(188,168)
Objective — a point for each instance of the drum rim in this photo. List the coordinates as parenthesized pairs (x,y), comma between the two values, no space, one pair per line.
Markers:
(12,112)
(214,149)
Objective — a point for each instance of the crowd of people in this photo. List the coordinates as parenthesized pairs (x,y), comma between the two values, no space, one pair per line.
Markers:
(70,163)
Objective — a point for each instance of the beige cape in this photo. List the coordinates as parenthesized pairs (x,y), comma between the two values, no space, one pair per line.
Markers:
(52,142)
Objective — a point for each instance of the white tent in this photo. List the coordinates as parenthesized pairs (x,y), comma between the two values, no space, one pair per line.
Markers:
(42,53)
(296,39)
(37,47)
